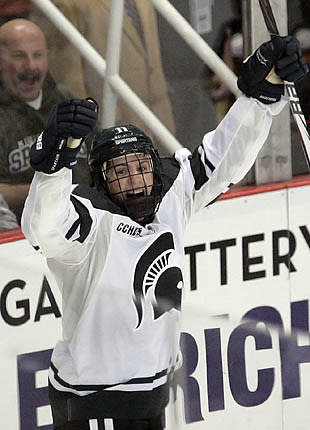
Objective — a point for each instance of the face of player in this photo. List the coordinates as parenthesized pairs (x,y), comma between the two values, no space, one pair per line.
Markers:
(23,61)
(130,176)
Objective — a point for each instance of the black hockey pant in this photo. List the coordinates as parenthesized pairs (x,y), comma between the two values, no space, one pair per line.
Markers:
(115,424)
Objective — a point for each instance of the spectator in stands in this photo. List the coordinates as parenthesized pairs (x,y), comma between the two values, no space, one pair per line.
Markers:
(229,46)
(27,95)
(140,65)
(12,9)
(7,217)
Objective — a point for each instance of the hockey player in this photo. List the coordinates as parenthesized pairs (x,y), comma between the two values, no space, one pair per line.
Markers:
(117,258)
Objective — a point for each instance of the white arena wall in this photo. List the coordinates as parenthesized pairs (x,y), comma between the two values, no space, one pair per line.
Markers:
(247,271)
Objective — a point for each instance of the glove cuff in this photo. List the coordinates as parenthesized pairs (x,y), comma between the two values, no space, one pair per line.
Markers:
(48,158)
(264,91)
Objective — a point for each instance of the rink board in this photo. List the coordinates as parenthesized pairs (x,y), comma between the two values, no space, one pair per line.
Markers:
(247,259)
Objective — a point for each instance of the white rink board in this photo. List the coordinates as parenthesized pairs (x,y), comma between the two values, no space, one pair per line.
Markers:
(22,280)
(237,263)
(257,226)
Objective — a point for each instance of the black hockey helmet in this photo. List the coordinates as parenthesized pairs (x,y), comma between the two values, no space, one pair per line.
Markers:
(119,143)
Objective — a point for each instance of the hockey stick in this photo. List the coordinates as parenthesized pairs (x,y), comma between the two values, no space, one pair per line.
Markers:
(289,86)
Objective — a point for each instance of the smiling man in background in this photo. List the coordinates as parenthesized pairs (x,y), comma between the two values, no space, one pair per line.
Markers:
(27,95)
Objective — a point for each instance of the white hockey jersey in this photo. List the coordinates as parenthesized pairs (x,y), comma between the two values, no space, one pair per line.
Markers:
(121,282)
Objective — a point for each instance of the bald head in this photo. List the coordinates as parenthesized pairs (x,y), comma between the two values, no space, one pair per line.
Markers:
(16,28)
(23,58)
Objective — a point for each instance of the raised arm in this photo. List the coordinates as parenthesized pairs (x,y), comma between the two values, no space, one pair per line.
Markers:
(227,153)
(53,220)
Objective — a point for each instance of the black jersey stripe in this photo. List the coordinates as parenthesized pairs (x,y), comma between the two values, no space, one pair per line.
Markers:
(217,197)
(96,387)
(84,222)
(198,169)
(208,162)
(73,229)
(214,200)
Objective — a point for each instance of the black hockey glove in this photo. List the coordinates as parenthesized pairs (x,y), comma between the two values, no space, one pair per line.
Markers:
(74,118)
(281,53)
(292,65)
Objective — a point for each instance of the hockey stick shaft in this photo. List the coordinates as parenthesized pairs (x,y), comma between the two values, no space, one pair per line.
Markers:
(269,17)
(289,86)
